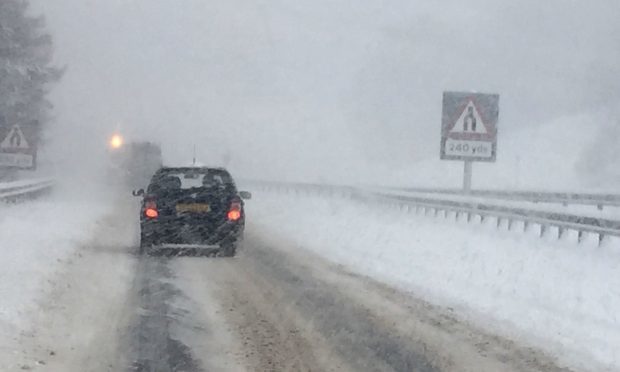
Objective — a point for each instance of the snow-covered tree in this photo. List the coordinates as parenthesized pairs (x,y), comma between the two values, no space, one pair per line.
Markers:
(25,65)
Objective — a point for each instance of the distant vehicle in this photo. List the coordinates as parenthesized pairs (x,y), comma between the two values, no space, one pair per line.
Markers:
(134,163)
(197,209)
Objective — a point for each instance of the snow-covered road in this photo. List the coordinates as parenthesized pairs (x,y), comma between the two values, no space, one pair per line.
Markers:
(315,287)
(557,295)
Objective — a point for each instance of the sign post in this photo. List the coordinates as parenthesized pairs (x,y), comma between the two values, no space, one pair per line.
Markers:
(469,129)
(467,173)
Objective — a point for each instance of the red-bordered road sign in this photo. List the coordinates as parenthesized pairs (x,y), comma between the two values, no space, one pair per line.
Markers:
(18,145)
(469,126)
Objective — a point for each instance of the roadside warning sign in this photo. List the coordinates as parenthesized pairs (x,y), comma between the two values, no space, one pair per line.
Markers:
(15,140)
(18,146)
(469,126)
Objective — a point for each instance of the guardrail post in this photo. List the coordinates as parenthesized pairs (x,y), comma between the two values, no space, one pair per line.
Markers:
(579,236)
(525,226)
(509,224)
(468,217)
(499,221)
(543,228)
(560,232)
(601,238)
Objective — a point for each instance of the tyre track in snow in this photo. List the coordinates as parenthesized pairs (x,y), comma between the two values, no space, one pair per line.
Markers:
(275,308)
(280,322)
(151,341)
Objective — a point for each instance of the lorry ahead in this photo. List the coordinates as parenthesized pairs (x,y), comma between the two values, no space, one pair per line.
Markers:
(132,164)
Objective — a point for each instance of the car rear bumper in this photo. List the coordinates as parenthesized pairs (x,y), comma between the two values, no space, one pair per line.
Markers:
(184,250)
(181,232)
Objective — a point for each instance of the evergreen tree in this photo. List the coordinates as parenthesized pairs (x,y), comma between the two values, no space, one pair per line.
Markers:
(25,65)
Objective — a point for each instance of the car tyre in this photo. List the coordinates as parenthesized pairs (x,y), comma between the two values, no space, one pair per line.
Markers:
(143,246)
(228,249)
(146,245)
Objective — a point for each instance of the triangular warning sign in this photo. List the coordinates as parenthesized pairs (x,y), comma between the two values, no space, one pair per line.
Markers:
(15,140)
(469,121)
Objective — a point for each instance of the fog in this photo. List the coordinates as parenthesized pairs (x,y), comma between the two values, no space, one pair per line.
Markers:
(333,91)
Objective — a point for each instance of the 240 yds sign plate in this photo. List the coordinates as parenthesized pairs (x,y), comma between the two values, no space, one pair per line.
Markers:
(469,126)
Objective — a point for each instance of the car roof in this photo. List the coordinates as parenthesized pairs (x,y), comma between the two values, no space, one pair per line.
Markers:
(168,171)
(192,168)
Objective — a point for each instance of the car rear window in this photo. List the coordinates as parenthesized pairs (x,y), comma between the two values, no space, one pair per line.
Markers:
(190,181)
(184,179)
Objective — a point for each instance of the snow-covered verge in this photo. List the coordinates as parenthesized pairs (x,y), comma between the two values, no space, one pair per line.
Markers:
(84,307)
(557,295)
(36,238)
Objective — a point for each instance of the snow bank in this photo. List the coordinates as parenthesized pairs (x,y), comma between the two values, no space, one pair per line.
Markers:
(560,296)
(37,237)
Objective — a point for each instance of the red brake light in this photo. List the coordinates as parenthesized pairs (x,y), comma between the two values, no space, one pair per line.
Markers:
(235,212)
(150,209)
(234,215)
(151,213)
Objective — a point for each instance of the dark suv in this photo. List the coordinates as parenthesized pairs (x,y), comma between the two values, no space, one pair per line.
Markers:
(193,209)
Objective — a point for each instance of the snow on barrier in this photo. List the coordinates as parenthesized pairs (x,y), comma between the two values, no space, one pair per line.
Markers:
(483,210)
(564,198)
(17,191)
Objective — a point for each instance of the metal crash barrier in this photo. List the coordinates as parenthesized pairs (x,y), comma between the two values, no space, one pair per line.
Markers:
(437,207)
(18,191)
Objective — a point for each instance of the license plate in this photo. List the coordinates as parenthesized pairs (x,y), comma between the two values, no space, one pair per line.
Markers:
(193,208)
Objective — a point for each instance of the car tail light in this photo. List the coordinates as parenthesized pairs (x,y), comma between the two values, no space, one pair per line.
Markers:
(151,213)
(150,209)
(234,213)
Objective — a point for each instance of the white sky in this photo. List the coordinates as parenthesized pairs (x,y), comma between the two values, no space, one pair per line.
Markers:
(319,89)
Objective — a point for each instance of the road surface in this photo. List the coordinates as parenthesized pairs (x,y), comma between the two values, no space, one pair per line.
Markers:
(274,307)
